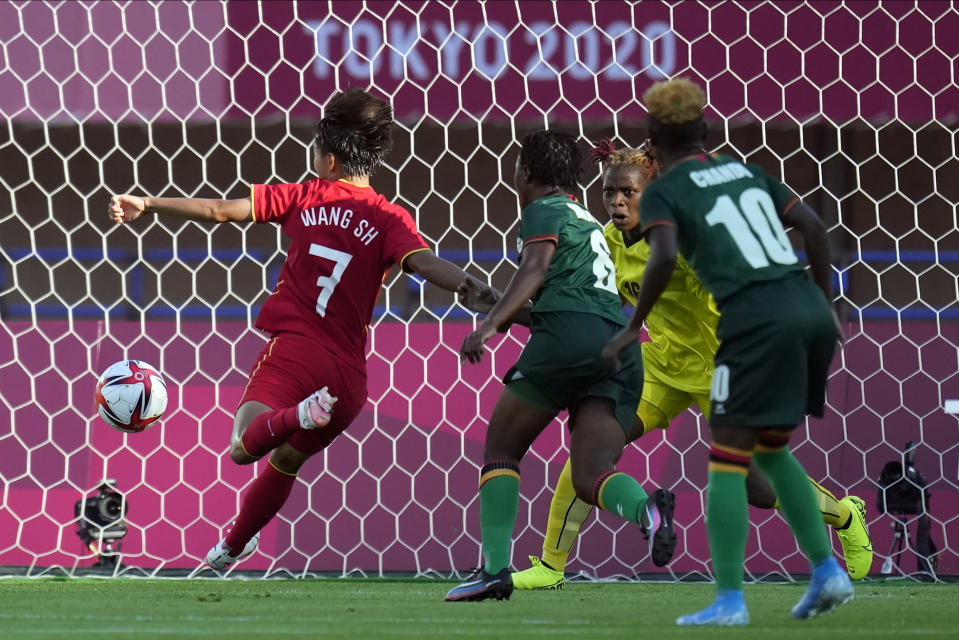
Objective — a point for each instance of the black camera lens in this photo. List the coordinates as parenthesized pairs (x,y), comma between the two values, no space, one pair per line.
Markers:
(109,506)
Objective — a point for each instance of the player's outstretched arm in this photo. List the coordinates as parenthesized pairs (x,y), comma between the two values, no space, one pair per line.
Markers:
(481,299)
(127,208)
(435,270)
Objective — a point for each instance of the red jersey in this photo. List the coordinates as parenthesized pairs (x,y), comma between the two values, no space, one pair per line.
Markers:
(344,240)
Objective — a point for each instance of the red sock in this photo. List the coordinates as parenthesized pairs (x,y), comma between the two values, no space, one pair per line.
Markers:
(269,430)
(262,501)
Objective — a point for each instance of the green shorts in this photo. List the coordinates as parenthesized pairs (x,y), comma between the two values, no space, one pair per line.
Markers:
(777,340)
(560,365)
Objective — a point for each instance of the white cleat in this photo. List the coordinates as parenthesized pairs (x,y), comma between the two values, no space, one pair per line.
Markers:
(219,557)
(316,410)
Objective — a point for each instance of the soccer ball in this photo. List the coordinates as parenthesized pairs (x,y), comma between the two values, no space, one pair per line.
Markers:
(131,396)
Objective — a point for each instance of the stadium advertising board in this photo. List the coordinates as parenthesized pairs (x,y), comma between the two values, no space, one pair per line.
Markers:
(494,60)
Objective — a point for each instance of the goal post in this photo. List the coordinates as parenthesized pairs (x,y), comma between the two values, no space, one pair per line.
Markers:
(853,104)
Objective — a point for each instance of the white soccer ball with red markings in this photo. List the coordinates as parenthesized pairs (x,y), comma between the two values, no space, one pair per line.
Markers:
(131,396)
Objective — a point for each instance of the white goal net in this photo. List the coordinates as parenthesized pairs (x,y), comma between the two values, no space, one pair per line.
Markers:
(853,104)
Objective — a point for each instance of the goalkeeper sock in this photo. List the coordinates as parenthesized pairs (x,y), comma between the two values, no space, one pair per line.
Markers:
(499,502)
(799,505)
(620,494)
(834,513)
(269,430)
(567,513)
(727,514)
(262,501)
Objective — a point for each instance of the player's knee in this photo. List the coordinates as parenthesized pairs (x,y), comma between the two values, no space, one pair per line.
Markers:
(287,459)
(584,483)
(649,417)
(758,490)
(584,491)
(238,454)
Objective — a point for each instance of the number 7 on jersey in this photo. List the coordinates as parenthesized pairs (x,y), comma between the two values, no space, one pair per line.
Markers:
(328,283)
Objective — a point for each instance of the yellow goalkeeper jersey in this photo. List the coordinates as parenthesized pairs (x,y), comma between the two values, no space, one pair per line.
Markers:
(682,323)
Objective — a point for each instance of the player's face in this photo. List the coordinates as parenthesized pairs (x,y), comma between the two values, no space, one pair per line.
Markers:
(622,188)
(521,182)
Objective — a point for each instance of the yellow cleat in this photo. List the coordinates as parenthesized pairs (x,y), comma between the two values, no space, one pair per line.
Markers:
(539,576)
(856,545)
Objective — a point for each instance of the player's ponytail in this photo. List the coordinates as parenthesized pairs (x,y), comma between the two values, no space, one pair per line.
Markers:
(605,153)
(601,150)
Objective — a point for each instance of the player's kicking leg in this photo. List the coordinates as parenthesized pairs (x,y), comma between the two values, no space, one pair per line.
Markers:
(267,431)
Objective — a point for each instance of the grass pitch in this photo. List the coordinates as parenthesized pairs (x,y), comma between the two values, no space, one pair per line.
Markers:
(387,608)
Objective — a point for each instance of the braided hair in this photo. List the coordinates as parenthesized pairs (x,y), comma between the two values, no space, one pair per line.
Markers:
(553,158)
(605,153)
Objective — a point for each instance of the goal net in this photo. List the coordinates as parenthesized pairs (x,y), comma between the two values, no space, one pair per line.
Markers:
(853,104)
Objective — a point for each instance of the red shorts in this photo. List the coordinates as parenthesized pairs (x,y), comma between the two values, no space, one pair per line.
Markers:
(290,368)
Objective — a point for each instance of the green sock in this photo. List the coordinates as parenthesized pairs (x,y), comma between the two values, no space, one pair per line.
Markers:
(727,525)
(797,501)
(621,494)
(499,502)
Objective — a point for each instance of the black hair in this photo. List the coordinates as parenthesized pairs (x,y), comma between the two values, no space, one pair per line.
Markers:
(677,135)
(356,128)
(553,158)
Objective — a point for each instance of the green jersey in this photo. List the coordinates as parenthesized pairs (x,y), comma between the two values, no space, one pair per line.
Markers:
(581,276)
(726,216)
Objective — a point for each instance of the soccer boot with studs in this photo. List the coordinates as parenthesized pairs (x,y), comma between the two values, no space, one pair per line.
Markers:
(539,576)
(657,521)
(829,587)
(481,586)
(729,610)
(219,557)
(856,545)
(316,410)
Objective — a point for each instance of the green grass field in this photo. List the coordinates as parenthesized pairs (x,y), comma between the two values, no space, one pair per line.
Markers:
(377,608)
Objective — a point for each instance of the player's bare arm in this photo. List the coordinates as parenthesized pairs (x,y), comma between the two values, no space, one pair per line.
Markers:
(810,226)
(481,298)
(127,208)
(436,270)
(525,282)
(659,268)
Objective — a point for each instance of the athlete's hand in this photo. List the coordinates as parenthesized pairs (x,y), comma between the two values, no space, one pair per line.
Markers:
(616,346)
(126,208)
(472,349)
(476,296)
